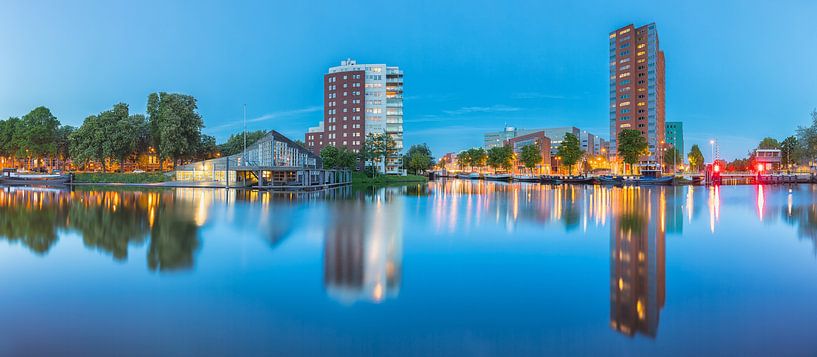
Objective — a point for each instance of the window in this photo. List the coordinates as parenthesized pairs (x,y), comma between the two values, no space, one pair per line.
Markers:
(623,31)
(641,53)
(624,104)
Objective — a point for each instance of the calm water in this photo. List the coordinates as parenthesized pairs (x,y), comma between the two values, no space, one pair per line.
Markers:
(449,268)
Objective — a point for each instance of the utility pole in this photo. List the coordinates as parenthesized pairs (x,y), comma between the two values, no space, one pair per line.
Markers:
(244,156)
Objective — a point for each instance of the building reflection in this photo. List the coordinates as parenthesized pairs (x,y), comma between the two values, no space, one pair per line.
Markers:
(363,247)
(637,253)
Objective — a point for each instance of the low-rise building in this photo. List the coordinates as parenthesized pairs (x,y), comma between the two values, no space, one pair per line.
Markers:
(538,139)
(768,159)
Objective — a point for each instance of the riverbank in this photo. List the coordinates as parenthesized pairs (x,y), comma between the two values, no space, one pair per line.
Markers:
(120,178)
(359,178)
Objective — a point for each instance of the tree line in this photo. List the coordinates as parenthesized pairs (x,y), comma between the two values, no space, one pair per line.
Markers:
(797,149)
(171,131)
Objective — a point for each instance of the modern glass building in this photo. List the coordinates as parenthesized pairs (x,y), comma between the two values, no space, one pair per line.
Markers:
(274,155)
(675,135)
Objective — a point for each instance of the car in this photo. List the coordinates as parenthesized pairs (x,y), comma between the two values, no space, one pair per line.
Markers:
(137,171)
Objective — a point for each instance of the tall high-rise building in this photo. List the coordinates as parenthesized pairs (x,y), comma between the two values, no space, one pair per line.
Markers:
(637,85)
(675,135)
(358,100)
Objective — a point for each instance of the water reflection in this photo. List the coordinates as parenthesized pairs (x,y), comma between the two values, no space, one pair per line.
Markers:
(363,246)
(637,266)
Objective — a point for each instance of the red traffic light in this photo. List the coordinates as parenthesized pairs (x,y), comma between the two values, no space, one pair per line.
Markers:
(760,167)
(716,168)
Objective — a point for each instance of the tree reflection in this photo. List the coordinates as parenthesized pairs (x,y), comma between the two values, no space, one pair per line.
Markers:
(637,275)
(108,221)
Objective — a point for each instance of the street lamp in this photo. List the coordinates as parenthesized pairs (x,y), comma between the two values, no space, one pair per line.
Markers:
(712,145)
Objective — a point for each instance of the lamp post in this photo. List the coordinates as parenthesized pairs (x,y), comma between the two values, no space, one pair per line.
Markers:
(712,145)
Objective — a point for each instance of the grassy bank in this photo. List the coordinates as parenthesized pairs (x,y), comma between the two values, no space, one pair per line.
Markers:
(359,178)
(147,177)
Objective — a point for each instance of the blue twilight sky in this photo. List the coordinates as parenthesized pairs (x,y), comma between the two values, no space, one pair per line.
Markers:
(736,70)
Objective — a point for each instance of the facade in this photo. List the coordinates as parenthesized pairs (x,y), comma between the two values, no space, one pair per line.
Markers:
(557,135)
(768,159)
(360,99)
(272,158)
(675,135)
(498,138)
(536,138)
(637,85)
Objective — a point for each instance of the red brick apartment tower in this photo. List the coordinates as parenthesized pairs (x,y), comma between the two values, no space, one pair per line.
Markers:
(637,86)
(344,106)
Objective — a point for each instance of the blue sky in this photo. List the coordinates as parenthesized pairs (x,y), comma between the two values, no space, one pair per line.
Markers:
(736,70)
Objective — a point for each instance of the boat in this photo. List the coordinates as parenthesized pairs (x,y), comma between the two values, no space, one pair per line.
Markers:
(578,180)
(610,180)
(498,177)
(13,178)
(526,178)
(463,176)
(646,180)
(550,180)
(474,176)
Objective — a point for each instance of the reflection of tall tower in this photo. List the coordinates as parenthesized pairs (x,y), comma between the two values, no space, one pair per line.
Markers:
(637,260)
(364,248)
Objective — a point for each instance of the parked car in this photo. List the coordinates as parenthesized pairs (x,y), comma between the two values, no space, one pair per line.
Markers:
(137,171)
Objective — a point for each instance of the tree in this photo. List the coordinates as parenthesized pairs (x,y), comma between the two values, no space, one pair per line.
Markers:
(789,149)
(631,145)
(500,157)
(207,148)
(696,158)
(119,133)
(377,149)
(807,136)
(64,143)
(235,144)
(768,143)
(86,143)
(37,133)
(175,123)
(672,157)
(464,159)
(329,157)
(9,147)
(570,151)
(477,157)
(530,156)
(418,159)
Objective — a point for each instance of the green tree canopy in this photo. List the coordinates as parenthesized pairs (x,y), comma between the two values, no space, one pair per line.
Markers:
(570,151)
(768,143)
(673,157)
(377,148)
(36,134)
(418,159)
(790,151)
(235,144)
(631,145)
(477,157)
(9,146)
(530,156)
(696,158)
(500,157)
(175,124)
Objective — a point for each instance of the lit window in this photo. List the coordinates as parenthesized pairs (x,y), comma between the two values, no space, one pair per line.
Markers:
(623,31)
(640,53)
(642,45)
(625,74)
(623,104)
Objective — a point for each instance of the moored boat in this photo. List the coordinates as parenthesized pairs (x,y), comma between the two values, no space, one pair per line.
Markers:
(610,180)
(578,180)
(463,176)
(666,180)
(34,179)
(526,178)
(550,180)
(474,176)
(498,177)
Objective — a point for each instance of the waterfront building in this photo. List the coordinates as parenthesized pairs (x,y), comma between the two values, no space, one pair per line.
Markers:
(768,159)
(557,135)
(540,141)
(675,135)
(637,85)
(498,138)
(272,161)
(360,99)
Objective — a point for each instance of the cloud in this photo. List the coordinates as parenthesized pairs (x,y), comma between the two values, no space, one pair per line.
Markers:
(540,95)
(268,116)
(498,108)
